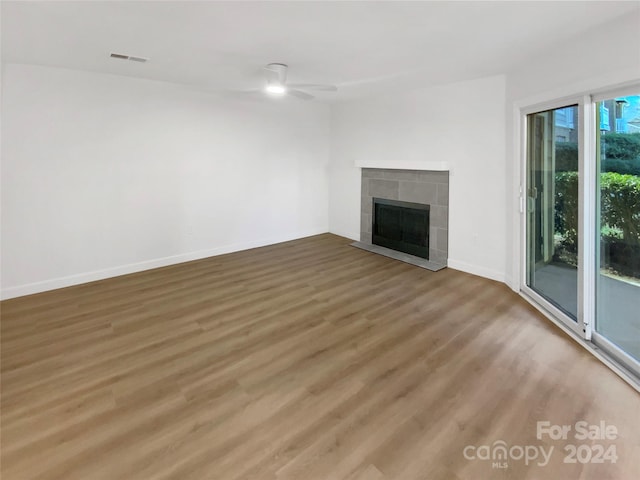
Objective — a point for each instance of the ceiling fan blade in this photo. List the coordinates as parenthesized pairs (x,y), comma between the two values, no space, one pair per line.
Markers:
(299,94)
(314,86)
(256,94)
(252,91)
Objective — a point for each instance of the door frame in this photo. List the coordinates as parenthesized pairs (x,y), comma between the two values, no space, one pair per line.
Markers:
(598,339)
(582,331)
(582,325)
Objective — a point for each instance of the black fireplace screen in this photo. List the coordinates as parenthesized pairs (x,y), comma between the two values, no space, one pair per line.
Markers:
(401,226)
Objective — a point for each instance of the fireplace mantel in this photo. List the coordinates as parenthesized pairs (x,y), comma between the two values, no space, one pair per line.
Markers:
(404,165)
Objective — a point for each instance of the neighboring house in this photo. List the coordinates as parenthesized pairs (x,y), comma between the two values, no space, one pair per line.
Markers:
(633,126)
(620,115)
(565,128)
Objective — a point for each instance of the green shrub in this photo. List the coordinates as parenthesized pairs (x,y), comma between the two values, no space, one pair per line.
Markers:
(621,154)
(620,200)
(620,218)
(566,208)
(566,157)
(616,165)
(620,205)
(622,146)
(620,257)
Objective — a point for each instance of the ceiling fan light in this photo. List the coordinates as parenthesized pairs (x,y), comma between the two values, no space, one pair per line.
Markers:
(276,89)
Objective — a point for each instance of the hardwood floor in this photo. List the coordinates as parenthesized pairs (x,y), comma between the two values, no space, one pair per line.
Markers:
(304,360)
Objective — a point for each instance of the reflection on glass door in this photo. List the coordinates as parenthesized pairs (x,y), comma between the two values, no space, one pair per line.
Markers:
(552,207)
(618,279)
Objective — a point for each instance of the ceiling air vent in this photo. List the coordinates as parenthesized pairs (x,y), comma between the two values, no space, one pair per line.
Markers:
(129,57)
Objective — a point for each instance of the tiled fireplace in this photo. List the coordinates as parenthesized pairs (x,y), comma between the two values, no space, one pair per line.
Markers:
(415,186)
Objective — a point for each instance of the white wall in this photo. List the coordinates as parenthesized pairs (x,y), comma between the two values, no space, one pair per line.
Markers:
(103,175)
(461,123)
(601,58)
(587,61)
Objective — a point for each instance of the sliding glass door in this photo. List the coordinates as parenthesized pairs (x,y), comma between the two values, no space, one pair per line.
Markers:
(582,219)
(618,223)
(552,207)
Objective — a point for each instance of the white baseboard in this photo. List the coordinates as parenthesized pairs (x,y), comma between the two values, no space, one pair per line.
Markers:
(515,286)
(476,270)
(351,235)
(61,282)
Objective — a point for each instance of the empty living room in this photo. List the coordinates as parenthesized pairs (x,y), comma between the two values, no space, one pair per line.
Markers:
(320,240)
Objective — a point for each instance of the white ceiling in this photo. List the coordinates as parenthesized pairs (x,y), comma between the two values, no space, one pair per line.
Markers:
(363,47)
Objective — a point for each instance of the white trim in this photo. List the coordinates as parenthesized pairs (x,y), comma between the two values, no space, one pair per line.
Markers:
(547,306)
(628,90)
(523,201)
(62,282)
(619,355)
(604,84)
(600,340)
(576,325)
(627,376)
(476,270)
(403,165)
(607,86)
(586,220)
(509,281)
(343,233)
(518,198)
(610,81)
(568,101)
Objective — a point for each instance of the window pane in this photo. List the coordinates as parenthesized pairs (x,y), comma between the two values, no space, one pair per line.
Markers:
(618,282)
(552,206)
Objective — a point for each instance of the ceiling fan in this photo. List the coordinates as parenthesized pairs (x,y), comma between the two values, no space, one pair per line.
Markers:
(276,83)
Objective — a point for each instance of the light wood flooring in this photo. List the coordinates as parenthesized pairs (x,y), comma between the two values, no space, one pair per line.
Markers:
(304,360)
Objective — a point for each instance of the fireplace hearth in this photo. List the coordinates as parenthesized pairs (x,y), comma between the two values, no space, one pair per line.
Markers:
(419,235)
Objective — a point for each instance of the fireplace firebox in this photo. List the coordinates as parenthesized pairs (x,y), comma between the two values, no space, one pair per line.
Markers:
(401,226)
